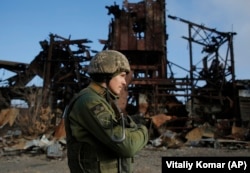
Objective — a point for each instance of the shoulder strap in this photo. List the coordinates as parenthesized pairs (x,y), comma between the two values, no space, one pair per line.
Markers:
(68,106)
(65,116)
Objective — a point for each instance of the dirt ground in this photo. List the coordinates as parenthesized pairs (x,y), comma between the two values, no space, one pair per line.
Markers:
(147,160)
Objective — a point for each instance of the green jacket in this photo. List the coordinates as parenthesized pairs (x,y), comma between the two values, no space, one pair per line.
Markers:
(90,126)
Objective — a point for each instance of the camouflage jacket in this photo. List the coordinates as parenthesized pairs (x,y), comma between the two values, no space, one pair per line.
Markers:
(93,125)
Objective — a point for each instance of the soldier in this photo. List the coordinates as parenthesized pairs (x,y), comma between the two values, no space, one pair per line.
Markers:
(99,138)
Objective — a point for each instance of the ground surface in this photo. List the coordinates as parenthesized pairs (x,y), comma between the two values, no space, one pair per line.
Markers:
(146,161)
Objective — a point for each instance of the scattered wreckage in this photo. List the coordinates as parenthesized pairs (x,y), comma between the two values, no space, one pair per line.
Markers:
(214,106)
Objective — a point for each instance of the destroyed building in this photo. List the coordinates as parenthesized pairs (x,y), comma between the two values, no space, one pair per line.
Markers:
(209,91)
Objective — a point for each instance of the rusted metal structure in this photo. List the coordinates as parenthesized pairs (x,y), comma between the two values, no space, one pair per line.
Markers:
(218,93)
(139,31)
(61,66)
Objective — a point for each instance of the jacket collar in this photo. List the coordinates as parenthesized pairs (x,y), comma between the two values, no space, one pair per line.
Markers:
(100,90)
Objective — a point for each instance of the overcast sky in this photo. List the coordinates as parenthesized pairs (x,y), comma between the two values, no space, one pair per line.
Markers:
(26,22)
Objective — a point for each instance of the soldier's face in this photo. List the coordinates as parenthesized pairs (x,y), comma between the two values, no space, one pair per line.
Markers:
(117,83)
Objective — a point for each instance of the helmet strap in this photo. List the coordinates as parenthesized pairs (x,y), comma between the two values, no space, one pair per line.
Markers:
(107,80)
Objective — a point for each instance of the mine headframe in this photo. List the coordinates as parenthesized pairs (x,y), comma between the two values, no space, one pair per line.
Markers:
(213,89)
(62,67)
(139,31)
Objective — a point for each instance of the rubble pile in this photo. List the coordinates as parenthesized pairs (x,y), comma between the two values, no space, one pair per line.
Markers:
(22,137)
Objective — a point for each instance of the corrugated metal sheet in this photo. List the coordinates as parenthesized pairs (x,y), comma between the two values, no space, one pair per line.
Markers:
(244,98)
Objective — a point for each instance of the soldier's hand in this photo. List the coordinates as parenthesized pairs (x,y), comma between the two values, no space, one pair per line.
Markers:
(129,122)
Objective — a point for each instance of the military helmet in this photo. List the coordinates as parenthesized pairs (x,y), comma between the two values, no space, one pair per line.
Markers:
(108,62)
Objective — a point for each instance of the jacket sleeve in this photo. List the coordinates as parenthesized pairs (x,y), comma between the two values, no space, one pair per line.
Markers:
(99,120)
